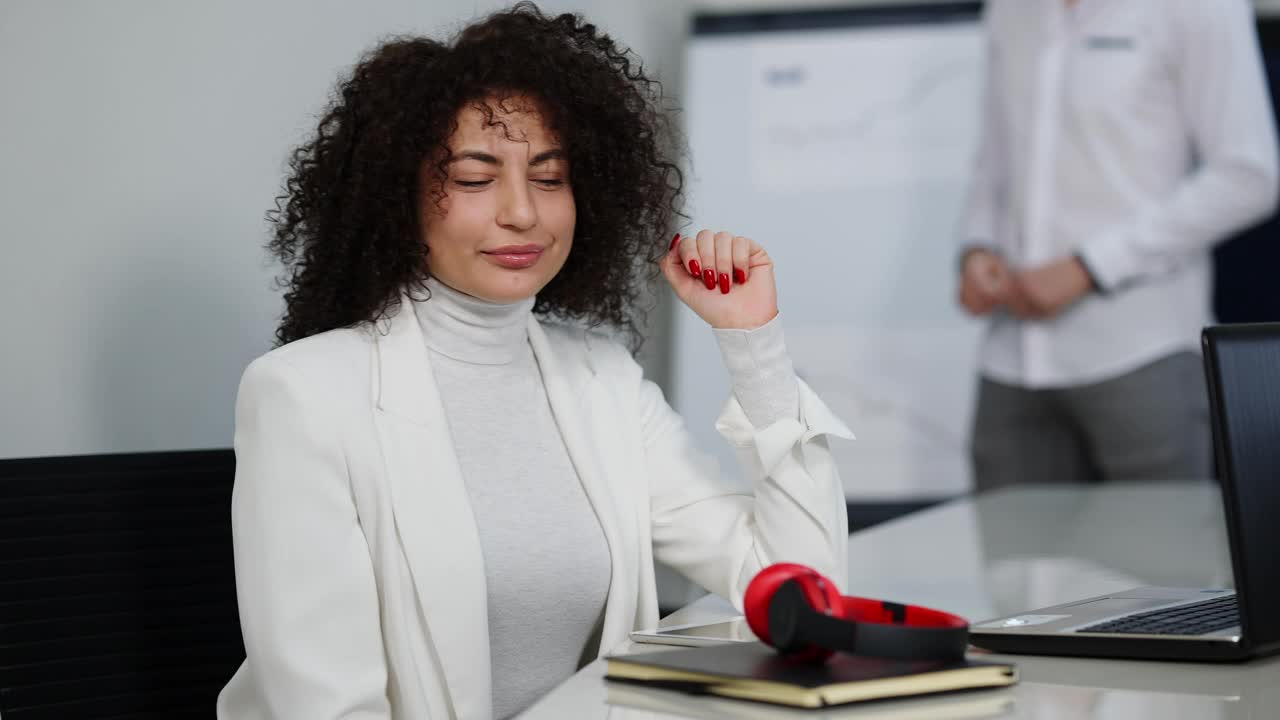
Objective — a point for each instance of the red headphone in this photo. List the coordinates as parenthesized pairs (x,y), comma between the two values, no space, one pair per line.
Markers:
(802,614)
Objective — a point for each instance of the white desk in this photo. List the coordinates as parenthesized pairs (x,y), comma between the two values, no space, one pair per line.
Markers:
(1003,553)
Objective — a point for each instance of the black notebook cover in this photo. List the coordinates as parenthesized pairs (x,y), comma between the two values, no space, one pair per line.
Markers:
(753,671)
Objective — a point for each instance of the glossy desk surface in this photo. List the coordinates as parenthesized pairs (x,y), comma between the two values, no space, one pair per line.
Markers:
(1004,553)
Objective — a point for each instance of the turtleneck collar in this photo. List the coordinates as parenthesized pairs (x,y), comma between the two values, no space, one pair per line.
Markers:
(466,328)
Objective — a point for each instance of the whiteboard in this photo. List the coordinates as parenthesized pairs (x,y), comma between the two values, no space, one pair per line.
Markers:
(843,142)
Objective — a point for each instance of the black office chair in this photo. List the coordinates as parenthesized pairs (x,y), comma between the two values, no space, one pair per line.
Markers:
(117,591)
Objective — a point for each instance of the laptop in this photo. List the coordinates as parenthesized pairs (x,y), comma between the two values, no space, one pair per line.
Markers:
(1242,367)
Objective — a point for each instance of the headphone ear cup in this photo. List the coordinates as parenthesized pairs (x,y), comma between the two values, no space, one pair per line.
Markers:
(821,593)
(791,609)
(755,602)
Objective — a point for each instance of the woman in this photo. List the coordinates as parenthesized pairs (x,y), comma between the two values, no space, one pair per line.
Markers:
(444,502)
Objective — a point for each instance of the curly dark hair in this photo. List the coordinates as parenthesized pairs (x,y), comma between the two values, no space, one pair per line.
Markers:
(347,226)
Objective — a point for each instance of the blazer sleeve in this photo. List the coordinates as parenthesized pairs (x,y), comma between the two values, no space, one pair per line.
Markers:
(719,534)
(304,576)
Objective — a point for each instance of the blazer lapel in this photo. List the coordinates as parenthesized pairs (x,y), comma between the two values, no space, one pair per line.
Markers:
(571,385)
(433,515)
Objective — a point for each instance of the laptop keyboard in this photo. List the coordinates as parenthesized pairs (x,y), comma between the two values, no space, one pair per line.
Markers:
(1196,619)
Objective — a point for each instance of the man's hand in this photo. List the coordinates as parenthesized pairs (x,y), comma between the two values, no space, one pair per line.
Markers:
(984,281)
(1042,293)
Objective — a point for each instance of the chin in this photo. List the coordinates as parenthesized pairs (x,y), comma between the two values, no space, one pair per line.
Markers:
(513,288)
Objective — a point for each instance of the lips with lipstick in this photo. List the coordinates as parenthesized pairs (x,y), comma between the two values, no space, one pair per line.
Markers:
(515,257)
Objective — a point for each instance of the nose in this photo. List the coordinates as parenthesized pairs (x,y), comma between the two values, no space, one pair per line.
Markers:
(515,208)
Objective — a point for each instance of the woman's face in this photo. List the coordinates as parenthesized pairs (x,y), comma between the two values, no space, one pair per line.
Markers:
(505,225)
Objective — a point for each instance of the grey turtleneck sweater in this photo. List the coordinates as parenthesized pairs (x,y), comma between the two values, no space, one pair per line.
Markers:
(546,559)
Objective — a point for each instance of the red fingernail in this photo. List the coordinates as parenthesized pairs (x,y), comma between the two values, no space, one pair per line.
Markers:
(695,268)
(739,276)
(724,283)
(674,241)
(709,278)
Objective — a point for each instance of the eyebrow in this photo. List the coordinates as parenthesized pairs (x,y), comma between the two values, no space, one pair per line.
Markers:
(484,157)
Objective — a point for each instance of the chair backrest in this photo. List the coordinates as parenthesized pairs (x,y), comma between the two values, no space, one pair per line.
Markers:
(117,586)
(1242,365)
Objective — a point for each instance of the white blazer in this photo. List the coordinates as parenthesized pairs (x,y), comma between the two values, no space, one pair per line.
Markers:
(358,566)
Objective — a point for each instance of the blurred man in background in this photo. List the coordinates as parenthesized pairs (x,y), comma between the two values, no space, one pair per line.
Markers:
(1122,139)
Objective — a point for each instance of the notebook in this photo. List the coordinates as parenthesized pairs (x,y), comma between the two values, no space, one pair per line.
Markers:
(645,702)
(754,671)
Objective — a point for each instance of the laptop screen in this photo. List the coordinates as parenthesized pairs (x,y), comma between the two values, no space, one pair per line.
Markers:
(1242,363)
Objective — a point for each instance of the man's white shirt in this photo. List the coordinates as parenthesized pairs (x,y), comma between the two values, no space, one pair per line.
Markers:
(1135,134)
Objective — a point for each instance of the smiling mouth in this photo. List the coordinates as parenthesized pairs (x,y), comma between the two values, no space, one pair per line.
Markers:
(515,257)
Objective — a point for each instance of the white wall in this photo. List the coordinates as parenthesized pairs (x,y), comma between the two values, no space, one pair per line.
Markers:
(141,141)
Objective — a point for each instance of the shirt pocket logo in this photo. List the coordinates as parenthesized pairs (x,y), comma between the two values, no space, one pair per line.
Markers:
(1109,42)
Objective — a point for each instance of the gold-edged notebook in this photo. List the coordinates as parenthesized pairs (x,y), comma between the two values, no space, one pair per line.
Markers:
(753,671)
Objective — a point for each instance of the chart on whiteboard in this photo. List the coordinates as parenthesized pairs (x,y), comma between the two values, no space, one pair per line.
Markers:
(891,102)
(846,152)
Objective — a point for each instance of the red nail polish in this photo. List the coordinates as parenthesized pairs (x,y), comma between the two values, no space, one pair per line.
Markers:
(739,276)
(674,241)
(694,268)
(724,283)
(709,278)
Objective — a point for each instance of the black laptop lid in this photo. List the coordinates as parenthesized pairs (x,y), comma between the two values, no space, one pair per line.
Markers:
(1242,363)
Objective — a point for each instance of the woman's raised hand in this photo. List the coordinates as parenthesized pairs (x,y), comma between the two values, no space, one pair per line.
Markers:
(726,279)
